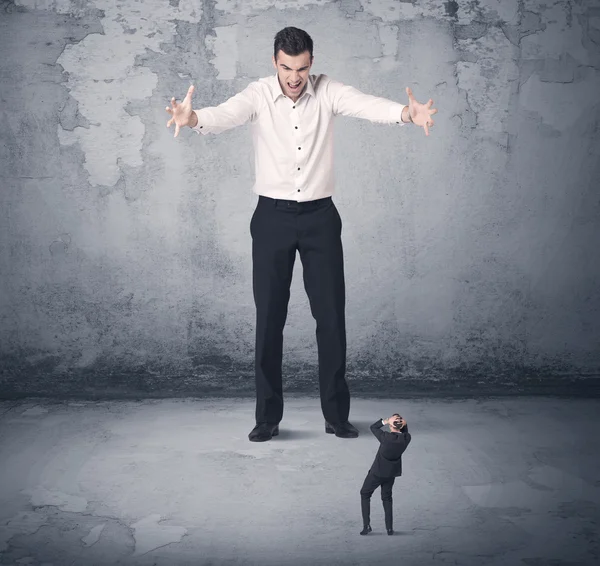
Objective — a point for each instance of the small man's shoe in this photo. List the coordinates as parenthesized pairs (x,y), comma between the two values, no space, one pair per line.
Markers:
(263,431)
(343,430)
(390,531)
(366,530)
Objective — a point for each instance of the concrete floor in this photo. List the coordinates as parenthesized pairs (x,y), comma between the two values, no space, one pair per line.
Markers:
(170,482)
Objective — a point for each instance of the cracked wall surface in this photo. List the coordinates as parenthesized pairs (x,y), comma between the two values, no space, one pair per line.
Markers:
(125,254)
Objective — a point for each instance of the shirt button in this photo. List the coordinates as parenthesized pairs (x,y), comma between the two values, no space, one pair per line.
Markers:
(298,168)
(293,107)
(299,148)
(294,126)
(298,190)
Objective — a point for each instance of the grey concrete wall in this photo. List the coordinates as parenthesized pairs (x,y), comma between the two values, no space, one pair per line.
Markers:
(471,255)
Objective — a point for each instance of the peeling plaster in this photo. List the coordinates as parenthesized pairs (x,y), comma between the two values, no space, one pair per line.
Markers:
(225,48)
(502,10)
(150,534)
(24,523)
(388,35)
(557,37)
(491,80)
(247,7)
(393,11)
(103,78)
(351,7)
(543,98)
(491,11)
(41,497)
(94,535)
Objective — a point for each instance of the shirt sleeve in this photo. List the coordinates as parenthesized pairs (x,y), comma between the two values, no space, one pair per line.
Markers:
(349,101)
(235,111)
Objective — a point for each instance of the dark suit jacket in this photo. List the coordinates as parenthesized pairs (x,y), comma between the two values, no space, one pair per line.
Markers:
(388,461)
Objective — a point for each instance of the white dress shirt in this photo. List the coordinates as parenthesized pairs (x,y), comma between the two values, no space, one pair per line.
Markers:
(293,141)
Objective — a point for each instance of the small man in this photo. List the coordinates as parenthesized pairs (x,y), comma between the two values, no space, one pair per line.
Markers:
(386,467)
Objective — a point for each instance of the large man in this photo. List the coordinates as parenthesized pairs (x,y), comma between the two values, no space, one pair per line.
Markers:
(292,127)
(386,467)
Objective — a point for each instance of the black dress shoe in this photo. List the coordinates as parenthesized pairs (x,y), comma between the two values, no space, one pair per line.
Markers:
(263,431)
(390,531)
(366,530)
(343,430)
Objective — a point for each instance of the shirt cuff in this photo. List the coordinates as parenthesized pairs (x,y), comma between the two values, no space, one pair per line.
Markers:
(198,128)
(396,114)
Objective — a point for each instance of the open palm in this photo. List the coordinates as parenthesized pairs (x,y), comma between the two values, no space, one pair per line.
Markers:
(181,112)
(420,114)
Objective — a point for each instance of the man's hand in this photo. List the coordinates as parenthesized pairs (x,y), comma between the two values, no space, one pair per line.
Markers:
(394,418)
(419,113)
(182,113)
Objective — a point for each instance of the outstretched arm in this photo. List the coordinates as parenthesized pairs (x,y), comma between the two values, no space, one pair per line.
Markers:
(349,101)
(213,120)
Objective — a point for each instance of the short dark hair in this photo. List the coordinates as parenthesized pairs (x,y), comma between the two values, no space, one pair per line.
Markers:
(292,41)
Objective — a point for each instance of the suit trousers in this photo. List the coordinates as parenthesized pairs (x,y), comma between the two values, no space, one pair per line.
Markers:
(371,483)
(279,228)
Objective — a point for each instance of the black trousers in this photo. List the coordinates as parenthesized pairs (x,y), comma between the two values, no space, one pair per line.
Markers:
(371,483)
(279,228)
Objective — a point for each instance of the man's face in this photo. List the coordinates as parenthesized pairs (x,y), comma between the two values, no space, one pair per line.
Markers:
(292,71)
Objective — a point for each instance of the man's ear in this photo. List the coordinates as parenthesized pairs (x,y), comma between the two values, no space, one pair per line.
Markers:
(274,61)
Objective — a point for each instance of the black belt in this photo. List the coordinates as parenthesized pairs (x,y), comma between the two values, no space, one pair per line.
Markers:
(295,205)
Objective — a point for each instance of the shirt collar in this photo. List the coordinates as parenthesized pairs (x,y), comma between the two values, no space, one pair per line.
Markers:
(276,89)
(277,92)
(309,87)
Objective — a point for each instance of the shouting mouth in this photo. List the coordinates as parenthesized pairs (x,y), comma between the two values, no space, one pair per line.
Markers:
(294,87)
